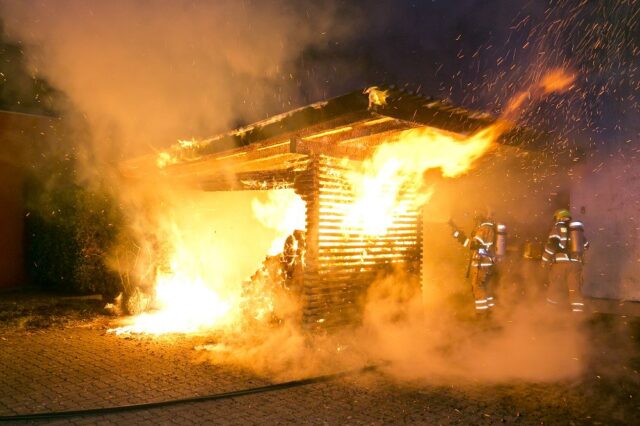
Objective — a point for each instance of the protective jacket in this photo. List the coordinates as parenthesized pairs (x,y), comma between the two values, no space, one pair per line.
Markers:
(487,244)
(565,251)
(566,243)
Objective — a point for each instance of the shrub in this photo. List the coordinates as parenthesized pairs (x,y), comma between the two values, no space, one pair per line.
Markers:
(70,231)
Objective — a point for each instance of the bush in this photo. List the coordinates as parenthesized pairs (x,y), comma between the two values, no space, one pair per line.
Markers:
(70,231)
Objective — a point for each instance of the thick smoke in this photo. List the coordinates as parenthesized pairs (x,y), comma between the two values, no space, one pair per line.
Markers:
(146,73)
(525,339)
(135,76)
(427,341)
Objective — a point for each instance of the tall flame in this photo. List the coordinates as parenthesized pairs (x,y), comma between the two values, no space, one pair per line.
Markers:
(398,166)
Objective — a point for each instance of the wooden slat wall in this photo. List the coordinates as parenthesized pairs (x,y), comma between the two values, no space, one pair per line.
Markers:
(339,268)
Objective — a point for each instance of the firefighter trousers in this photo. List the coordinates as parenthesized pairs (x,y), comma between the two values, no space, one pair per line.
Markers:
(565,284)
(481,277)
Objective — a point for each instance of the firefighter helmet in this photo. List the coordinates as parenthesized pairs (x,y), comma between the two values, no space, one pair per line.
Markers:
(562,215)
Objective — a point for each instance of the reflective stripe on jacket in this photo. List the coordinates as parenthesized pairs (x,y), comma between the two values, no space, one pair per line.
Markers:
(484,237)
(557,247)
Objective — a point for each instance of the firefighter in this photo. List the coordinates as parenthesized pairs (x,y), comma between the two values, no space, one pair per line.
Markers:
(564,253)
(487,243)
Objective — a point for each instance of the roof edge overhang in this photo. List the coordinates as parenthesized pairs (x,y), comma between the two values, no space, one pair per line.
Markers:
(349,126)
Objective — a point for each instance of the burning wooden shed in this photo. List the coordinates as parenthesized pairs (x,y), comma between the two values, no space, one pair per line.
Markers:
(313,150)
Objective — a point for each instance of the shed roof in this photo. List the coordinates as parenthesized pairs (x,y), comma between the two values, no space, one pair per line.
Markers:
(350,125)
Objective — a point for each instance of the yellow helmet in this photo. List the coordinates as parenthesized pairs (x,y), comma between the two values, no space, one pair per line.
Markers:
(562,214)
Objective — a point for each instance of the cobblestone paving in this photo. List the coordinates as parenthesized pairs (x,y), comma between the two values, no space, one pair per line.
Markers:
(80,367)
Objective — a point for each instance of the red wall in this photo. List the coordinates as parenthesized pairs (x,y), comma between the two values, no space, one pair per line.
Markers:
(11,226)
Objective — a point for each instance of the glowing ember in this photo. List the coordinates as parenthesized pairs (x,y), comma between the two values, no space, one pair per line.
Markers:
(185,148)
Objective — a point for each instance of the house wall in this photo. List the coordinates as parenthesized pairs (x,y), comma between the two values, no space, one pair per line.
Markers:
(606,197)
(21,136)
(11,226)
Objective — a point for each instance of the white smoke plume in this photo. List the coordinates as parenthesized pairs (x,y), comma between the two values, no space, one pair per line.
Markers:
(145,73)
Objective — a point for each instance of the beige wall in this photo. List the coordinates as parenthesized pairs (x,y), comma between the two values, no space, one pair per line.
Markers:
(606,197)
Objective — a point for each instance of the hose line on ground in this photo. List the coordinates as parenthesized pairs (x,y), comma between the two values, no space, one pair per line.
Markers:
(211,397)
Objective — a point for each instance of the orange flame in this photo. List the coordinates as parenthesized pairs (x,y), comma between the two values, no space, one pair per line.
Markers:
(200,284)
(557,80)
(398,166)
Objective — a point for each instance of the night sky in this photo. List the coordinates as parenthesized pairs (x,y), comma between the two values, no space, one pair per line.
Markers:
(479,53)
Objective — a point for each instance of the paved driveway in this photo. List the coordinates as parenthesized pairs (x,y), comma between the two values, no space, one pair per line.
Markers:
(83,367)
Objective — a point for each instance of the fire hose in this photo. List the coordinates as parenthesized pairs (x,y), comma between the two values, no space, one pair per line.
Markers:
(211,397)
